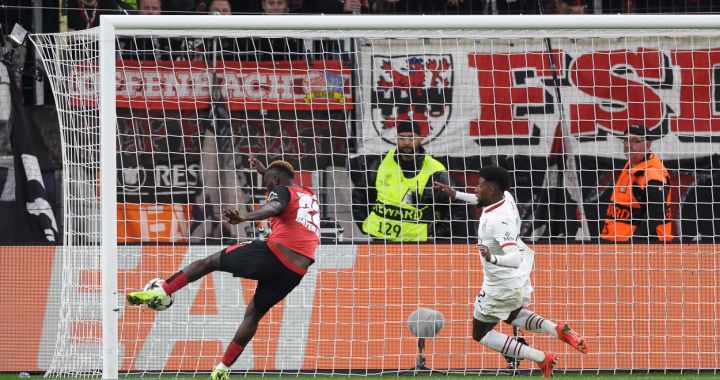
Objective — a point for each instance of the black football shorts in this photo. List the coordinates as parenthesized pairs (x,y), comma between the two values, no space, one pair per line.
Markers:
(254,260)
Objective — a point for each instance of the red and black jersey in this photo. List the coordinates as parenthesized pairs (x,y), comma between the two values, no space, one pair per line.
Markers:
(298,225)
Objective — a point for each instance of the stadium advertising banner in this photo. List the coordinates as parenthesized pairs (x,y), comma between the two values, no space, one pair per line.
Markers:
(349,312)
(244,85)
(510,97)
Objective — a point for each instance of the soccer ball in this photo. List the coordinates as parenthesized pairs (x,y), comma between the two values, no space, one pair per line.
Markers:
(156,285)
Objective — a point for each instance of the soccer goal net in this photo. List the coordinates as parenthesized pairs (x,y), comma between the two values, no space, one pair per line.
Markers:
(159,116)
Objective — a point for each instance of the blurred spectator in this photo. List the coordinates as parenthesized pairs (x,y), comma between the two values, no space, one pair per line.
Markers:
(254,49)
(457,6)
(411,6)
(129,5)
(335,6)
(179,7)
(217,48)
(465,7)
(661,6)
(85,14)
(513,7)
(220,7)
(149,7)
(275,49)
(296,6)
(271,7)
(565,7)
(145,48)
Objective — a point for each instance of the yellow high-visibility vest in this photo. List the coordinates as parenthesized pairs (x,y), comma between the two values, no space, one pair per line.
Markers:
(392,218)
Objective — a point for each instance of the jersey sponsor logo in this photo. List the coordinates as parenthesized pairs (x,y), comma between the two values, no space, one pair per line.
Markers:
(272,196)
(308,213)
(418,88)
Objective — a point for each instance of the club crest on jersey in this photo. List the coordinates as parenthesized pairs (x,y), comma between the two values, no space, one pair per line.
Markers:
(411,87)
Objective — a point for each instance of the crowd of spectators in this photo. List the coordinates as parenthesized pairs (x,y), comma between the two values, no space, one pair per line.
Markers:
(84,13)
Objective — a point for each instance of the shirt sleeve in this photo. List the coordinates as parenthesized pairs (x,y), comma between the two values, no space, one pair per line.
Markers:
(280,194)
(466,197)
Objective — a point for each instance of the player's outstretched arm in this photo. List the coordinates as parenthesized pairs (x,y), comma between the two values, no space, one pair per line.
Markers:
(445,188)
(257,165)
(454,194)
(267,210)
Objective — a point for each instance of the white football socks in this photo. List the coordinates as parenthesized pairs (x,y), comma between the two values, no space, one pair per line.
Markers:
(509,346)
(530,321)
(222,366)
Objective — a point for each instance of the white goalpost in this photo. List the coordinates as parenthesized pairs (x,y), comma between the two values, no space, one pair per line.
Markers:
(159,115)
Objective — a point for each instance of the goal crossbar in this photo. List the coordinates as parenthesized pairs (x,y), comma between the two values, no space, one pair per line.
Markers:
(131,25)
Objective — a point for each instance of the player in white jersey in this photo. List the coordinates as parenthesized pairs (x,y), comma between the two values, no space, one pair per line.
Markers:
(507,264)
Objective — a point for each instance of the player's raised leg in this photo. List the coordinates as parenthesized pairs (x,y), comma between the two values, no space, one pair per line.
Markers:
(508,346)
(177,281)
(530,321)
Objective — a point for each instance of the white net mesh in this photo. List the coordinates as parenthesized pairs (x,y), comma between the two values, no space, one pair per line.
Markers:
(550,106)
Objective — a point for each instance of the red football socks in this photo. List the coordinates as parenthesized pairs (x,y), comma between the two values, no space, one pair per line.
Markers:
(175,283)
(231,354)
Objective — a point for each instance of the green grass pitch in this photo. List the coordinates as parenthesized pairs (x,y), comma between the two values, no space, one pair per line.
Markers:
(558,376)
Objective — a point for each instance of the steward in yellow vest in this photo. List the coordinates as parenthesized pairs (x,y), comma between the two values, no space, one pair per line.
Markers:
(393,198)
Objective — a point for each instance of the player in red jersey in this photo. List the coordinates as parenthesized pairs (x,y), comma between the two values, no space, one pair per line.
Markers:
(278,264)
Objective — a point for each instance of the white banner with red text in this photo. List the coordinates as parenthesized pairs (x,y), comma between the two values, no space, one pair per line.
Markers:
(510,97)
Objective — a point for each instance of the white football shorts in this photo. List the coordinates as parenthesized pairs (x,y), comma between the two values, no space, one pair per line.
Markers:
(494,305)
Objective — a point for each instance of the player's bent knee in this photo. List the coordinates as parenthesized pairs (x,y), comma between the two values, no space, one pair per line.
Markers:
(252,312)
(480,329)
(479,334)
(513,315)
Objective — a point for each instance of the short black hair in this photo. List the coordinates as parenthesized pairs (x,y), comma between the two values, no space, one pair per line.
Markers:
(283,167)
(497,175)
(408,126)
(642,131)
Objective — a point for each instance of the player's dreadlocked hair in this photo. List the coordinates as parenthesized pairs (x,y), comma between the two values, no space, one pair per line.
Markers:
(496,174)
(283,167)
